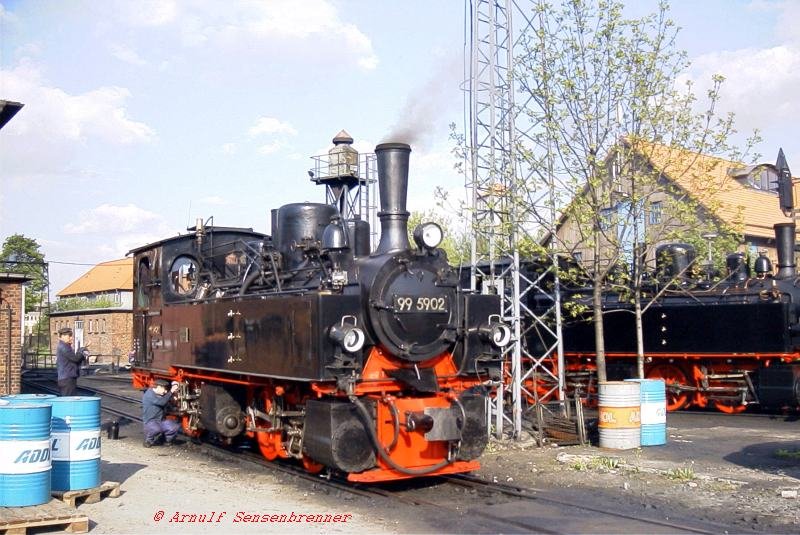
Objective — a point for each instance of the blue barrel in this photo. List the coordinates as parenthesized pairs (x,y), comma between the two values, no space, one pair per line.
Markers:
(654,411)
(76,442)
(24,454)
(28,398)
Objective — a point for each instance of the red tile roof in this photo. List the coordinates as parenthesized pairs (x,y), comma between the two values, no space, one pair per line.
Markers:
(104,277)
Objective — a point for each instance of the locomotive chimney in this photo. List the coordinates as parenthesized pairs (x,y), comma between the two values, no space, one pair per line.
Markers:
(393,188)
(784,241)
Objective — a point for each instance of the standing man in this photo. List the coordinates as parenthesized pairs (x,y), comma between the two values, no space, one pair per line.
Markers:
(154,402)
(68,363)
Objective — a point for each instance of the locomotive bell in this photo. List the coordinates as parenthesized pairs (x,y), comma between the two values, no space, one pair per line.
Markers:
(762,265)
(334,237)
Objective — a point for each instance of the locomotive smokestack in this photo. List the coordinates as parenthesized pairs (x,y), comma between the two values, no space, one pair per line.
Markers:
(784,241)
(393,185)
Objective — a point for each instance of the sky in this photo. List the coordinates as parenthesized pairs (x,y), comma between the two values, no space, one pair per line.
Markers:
(141,116)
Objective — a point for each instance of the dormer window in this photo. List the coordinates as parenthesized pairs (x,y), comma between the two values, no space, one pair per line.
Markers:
(762,177)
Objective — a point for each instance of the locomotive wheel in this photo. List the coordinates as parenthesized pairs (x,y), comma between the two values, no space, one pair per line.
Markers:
(270,443)
(672,375)
(312,466)
(729,407)
(189,432)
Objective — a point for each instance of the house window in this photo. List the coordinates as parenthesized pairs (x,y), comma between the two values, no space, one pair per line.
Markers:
(655,212)
(104,326)
(578,257)
(606,216)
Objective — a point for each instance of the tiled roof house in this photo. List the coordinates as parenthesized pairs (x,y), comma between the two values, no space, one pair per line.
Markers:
(98,307)
(728,194)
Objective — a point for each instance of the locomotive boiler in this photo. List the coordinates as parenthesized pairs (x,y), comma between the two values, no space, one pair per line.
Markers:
(374,364)
(721,342)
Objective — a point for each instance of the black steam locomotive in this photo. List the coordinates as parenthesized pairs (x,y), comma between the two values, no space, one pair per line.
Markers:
(370,363)
(724,343)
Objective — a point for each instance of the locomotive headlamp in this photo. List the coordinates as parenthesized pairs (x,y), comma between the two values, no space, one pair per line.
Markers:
(428,235)
(350,337)
(496,332)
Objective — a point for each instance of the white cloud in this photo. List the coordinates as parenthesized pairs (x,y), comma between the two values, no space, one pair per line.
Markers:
(243,23)
(270,148)
(126,218)
(147,12)
(41,142)
(760,84)
(100,113)
(270,125)
(28,50)
(6,17)
(127,55)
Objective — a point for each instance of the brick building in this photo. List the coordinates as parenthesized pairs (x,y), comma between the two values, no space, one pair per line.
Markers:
(11,307)
(98,307)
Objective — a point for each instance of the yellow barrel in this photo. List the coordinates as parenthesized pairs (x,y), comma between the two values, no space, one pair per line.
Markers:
(620,417)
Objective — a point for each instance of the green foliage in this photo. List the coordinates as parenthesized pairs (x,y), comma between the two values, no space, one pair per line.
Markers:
(685,473)
(604,106)
(607,463)
(22,255)
(788,454)
(78,303)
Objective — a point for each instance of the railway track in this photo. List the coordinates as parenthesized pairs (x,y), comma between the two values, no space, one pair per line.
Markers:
(495,506)
(115,404)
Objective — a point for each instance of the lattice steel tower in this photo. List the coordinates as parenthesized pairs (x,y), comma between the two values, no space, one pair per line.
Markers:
(494,178)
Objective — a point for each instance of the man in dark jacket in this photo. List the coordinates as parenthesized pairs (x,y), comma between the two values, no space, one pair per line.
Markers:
(68,363)
(154,402)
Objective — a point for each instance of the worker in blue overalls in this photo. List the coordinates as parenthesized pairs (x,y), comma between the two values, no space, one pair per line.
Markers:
(154,403)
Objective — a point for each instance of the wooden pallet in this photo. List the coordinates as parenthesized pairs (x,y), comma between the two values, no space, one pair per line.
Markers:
(92,495)
(17,520)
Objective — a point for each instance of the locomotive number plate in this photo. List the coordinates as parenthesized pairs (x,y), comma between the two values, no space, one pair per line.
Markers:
(418,303)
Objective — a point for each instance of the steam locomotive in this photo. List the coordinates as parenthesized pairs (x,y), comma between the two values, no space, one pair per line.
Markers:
(374,364)
(725,343)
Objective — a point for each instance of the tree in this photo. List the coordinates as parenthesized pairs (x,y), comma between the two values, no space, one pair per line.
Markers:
(601,95)
(22,255)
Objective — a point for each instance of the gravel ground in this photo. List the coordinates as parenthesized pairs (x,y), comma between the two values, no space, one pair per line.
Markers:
(740,471)
(178,482)
(660,481)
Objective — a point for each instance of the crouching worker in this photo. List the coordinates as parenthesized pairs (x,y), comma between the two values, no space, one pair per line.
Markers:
(154,402)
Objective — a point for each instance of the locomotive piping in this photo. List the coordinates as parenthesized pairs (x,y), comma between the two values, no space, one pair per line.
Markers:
(362,410)
(393,161)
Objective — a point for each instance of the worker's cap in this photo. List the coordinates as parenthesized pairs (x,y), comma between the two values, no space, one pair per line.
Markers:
(161,382)
(65,330)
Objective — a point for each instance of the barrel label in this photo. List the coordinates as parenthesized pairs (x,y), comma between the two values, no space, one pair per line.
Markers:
(24,456)
(654,413)
(76,446)
(623,417)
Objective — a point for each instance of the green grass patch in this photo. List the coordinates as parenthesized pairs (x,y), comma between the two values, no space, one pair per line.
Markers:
(788,454)
(682,474)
